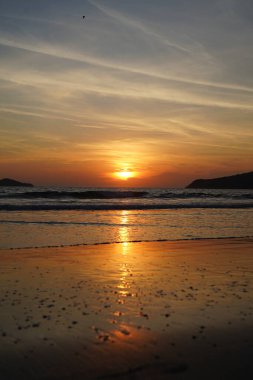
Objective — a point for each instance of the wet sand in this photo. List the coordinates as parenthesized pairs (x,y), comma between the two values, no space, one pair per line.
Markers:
(164,310)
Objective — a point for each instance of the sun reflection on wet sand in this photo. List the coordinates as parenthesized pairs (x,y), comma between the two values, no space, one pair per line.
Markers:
(125,287)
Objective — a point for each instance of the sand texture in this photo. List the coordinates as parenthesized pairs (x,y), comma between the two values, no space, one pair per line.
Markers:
(165,310)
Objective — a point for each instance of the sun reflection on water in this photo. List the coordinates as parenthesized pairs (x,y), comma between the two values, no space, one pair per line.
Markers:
(123,231)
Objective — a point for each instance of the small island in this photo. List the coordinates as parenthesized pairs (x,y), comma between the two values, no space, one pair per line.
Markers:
(8,182)
(238,181)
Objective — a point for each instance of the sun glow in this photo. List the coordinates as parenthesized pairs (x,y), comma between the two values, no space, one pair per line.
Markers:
(124,174)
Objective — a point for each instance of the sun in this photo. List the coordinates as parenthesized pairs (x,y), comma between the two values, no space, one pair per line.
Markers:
(124,174)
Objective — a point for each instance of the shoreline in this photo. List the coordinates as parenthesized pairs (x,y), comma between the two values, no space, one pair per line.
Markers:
(145,310)
(240,238)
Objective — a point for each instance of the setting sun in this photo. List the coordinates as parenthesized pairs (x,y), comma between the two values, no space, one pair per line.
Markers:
(124,174)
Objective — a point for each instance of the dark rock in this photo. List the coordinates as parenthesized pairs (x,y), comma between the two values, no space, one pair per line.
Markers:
(12,182)
(238,181)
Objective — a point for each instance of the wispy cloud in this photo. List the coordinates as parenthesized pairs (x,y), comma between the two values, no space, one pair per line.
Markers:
(167,82)
(140,26)
(111,85)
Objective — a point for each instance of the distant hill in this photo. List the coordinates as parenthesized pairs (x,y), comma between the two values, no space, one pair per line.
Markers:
(238,181)
(12,182)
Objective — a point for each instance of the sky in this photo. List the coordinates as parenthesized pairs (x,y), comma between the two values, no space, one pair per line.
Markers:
(161,90)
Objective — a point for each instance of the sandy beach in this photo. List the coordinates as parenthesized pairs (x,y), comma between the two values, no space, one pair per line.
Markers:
(159,310)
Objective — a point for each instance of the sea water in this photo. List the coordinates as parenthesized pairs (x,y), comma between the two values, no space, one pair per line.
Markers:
(53,216)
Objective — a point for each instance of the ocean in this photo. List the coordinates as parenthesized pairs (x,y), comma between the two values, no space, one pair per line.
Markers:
(57,216)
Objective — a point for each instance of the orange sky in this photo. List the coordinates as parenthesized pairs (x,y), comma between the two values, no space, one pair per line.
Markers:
(162,89)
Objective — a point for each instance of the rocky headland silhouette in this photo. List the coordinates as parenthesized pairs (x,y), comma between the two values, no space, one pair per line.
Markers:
(237,181)
(12,182)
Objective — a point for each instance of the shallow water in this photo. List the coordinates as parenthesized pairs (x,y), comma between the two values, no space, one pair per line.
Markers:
(56,228)
(47,216)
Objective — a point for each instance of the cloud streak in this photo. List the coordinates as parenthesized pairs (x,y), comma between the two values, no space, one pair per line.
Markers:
(155,83)
(140,27)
